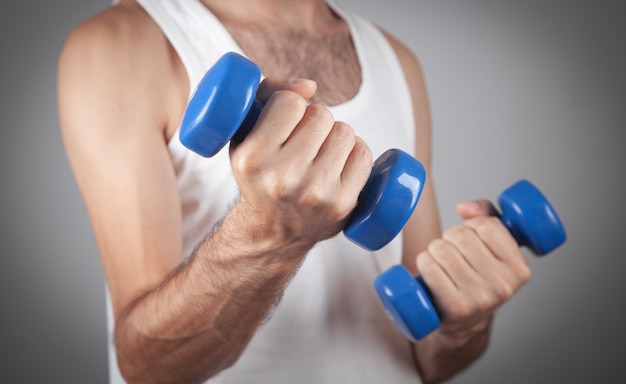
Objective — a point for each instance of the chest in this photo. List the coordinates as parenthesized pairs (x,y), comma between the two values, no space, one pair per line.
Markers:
(327,57)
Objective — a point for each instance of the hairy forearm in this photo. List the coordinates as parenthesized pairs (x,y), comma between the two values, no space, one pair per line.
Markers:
(199,320)
(440,357)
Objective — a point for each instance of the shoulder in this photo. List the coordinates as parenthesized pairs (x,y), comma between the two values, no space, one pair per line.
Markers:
(113,34)
(119,60)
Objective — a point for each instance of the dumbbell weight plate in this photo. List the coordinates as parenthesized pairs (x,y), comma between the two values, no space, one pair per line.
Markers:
(387,200)
(222,99)
(530,218)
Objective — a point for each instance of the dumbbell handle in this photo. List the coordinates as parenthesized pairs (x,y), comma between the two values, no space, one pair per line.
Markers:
(249,121)
(531,220)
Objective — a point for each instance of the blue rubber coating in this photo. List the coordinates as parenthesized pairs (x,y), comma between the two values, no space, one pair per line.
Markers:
(219,104)
(408,302)
(530,218)
(387,200)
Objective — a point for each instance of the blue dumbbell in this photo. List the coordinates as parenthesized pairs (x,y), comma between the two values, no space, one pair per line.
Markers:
(529,217)
(223,108)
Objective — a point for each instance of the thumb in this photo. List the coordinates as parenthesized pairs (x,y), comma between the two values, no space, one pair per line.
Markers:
(476,208)
(304,87)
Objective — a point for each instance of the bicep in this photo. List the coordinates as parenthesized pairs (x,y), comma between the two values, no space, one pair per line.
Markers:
(131,197)
(121,163)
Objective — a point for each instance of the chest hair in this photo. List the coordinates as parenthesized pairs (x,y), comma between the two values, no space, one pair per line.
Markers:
(327,57)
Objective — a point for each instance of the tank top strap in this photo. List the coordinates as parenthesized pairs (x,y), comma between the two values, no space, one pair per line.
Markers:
(198,37)
(381,72)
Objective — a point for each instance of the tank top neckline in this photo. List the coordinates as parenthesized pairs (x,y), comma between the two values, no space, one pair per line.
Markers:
(228,44)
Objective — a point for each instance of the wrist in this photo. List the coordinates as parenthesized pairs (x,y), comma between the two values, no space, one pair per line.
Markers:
(460,338)
(245,243)
(443,355)
(258,232)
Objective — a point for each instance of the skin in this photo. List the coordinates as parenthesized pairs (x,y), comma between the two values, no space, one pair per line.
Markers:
(299,174)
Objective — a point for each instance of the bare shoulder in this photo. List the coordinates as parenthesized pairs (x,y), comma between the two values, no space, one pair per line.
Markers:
(116,87)
(120,58)
(122,32)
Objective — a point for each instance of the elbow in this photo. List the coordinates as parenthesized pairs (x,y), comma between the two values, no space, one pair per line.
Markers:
(145,360)
(136,358)
(129,372)
(131,362)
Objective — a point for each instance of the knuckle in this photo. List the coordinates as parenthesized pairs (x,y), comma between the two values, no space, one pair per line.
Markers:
(246,164)
(320,114)
(328,206)
(339,211)
(290,100)
(460,310)
(426,265)
(345,203)
(503,291)
(524,273)
(312,197)
(344,132)
(487,224)
(283,187)
(340,205)
(363,151)
(441,249)
(457,343)
(485,300)
(460,234)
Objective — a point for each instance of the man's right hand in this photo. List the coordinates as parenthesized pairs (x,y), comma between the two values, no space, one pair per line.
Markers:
(299,171)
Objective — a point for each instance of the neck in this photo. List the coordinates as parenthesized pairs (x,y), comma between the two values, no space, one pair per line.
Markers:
(300,14)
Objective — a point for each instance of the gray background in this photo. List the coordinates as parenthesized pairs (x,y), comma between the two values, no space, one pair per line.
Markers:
(531,89)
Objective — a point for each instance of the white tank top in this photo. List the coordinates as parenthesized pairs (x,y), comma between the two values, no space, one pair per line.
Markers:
(329,326)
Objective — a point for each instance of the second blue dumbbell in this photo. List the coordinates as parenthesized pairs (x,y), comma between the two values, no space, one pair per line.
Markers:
(224,107)
(528,216)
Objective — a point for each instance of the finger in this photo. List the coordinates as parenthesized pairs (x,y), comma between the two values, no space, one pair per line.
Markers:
(495,275)
(357,168)
(494,255)
(330,163)
(475,295)
(500,242)
(310,133)
(304,87)
(461,272)
(468,243)
(336,149)
(470,209)
(437,279)
(445,292)
(281,114)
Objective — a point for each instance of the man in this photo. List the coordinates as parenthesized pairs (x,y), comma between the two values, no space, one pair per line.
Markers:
(240,277)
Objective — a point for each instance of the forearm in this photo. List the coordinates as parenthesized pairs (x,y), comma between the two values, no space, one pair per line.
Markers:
(440,357)
(200,319)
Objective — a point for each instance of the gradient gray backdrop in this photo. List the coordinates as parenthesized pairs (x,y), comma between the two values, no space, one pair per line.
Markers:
(525,89)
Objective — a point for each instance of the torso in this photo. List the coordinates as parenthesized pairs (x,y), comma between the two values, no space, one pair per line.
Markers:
(357,322)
